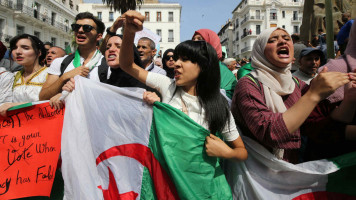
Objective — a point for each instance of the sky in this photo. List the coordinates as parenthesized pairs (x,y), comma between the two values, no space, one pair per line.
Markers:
(197,14)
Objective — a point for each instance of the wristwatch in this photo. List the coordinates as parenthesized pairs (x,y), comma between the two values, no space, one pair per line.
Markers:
(109,32)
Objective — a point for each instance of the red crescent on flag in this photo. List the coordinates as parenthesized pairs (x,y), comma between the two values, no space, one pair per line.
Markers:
(164,186)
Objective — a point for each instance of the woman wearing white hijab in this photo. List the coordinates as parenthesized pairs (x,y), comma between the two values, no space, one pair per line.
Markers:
(268,105)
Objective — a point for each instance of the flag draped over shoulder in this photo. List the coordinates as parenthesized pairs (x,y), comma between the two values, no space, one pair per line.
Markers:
(263,176)
(114,146)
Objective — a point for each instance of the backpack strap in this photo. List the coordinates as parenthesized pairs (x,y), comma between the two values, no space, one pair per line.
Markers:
(65,63)
(296,81)
(103,69)
(250,76)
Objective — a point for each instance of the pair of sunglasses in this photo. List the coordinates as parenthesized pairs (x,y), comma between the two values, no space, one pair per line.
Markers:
(170,56)
(86,27)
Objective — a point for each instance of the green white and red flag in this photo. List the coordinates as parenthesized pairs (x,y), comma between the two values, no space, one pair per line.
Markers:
(114,146)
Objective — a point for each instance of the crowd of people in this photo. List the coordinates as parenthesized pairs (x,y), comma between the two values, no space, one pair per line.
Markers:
(287,96)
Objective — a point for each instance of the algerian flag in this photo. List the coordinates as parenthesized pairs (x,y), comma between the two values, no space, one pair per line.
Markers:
(263,176)
(115,146)
(24,105)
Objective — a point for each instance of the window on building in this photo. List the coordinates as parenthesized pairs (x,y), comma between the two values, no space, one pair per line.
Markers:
(258,14)
(71,4)
(111,16)
(54,41)
(258,29)
(295,15)
(100,15)
(273,14)
(170,16)
(147,16)
(159,32)
(63,1)
(284,26)
(66,21)
(20,30)
(283,14)
(237,36)
(77,7)
(66,44)
(2,23)
(237,22)
(36,10)
(296,29)
(295,0)
(159,16)
(37,34)
(170,36)
(53,19)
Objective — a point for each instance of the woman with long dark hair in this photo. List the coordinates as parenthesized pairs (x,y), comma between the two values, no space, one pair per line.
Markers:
(168,62)
(195,90)
(28,51)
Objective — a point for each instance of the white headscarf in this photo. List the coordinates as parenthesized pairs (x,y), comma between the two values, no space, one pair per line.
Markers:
(276,81)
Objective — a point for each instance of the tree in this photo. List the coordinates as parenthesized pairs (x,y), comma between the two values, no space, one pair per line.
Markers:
(123,5)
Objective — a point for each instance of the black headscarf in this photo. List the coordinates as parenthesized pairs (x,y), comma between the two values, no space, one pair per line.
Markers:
(170,71)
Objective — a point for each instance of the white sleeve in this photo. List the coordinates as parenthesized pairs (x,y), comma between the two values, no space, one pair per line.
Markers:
(159,82)
(55,68)
(6,82)
(230,132)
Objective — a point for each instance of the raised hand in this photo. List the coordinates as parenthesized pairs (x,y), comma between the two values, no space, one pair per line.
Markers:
(133,21)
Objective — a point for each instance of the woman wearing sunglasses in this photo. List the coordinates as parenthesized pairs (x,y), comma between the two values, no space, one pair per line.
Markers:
(168,62)
(28,51)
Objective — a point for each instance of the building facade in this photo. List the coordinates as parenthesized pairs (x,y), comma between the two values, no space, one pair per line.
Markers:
(251,17)
(49,20)
(226,37)
(161,18)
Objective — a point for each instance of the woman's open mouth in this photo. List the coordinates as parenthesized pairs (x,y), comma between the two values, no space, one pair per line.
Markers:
(283,52)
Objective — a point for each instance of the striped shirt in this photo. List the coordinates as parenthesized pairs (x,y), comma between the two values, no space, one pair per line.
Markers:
(257,121)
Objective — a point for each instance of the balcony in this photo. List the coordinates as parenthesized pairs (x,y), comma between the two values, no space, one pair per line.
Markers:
(296,19)
(5,37)
(273,18)
(244,20)
(248,48)
(170,39)
(252,18)
(26,11)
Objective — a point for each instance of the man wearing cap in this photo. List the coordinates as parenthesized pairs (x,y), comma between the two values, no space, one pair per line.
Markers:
(310,60)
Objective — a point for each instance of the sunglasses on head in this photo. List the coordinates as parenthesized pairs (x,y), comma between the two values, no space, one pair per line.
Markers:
(86,27)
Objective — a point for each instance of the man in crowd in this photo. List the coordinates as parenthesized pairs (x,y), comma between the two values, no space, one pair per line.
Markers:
(47,45)
(88,30)
(231,63)
(309,61)
(343,35)
(147,49)
(298,47)
(53,53)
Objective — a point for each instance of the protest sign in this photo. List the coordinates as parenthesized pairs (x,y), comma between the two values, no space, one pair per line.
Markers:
(30,142)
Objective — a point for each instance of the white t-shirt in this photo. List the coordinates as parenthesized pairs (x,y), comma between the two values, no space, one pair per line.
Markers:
(55,68)
(167,86)
(303,76)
